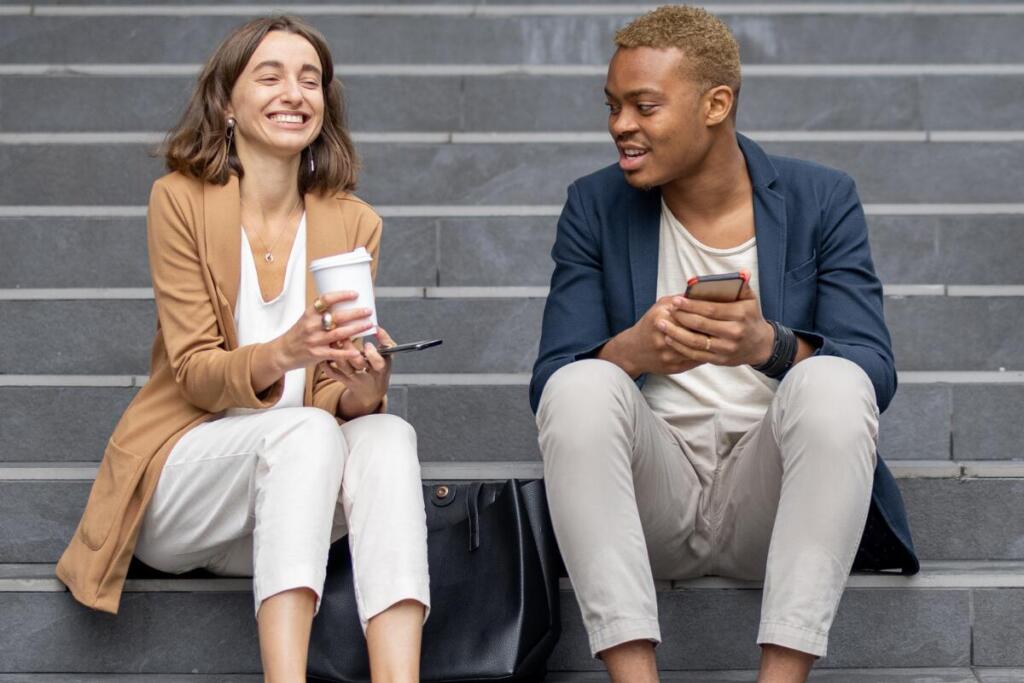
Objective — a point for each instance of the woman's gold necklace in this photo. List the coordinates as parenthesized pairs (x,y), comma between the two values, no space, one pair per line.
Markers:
(268,256)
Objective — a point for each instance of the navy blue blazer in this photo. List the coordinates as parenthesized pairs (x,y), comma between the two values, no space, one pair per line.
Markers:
(815,274)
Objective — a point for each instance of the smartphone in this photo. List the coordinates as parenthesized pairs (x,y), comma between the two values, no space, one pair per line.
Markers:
(720,288)
(413,346)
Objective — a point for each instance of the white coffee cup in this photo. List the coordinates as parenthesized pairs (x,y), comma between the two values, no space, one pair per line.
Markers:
(347,272)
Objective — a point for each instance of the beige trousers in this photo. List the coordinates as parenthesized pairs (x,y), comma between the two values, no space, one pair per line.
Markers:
(633,499)
(265,494)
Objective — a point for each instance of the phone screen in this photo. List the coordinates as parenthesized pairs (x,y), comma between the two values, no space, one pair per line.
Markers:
(718,288)
(412,346)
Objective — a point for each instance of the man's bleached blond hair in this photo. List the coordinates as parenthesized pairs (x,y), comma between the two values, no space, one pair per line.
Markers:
(711,52)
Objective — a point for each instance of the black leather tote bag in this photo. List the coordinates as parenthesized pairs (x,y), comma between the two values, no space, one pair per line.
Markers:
(494,569)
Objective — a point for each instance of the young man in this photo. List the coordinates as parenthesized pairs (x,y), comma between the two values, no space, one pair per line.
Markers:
(683,438)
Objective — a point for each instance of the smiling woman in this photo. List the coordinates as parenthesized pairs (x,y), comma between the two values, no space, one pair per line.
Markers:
(254,60)
(262,434)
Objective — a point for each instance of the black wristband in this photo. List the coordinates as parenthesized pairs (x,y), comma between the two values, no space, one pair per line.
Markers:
(783,352)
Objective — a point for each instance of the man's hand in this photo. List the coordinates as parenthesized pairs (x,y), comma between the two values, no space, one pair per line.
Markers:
(733,333)
(645,347)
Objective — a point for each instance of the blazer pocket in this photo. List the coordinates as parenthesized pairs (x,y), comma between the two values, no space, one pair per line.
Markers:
(803,271)
(116,480)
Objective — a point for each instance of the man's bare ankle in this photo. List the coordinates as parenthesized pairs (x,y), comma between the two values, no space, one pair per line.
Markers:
(784,665)
(631,662)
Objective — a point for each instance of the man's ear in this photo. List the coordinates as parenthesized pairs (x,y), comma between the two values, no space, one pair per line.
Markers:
(718,104)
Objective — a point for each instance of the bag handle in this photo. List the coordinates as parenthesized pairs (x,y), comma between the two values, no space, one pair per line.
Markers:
(473,513)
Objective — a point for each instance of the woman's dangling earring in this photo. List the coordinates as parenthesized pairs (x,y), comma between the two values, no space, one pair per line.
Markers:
(312,162)
(230,134)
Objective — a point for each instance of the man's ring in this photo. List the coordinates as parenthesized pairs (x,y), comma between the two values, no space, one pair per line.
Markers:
(319,306)
(327,321)
(707,343)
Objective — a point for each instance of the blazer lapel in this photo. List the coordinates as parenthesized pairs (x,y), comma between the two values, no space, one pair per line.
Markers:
(320,222)
(223,235)
(769,227)
(222,224)
(644,236)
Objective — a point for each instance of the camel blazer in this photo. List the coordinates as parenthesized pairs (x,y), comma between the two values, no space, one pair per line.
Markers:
(197,369)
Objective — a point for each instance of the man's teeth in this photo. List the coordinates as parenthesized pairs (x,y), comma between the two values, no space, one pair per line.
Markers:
(634,152)
(287,118)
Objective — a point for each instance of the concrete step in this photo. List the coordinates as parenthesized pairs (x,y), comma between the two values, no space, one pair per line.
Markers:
(927,420)
(840,6)
(197,678)
(77,103)
(185,678)
(954,615)
(574,35)
(534,171)
(505,251)
(957,511)
(930,675)
(492,333)
(975,675)
(916,675)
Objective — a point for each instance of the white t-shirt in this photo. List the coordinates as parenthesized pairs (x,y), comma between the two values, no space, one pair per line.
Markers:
(714,404)
(260,321)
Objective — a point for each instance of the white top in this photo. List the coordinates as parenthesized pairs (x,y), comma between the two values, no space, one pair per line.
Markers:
(712,403)
(260,321)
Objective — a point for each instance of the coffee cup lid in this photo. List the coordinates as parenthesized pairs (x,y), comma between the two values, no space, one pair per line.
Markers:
(359,255)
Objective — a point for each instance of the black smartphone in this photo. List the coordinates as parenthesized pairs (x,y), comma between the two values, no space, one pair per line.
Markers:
(719,288)
(412,346)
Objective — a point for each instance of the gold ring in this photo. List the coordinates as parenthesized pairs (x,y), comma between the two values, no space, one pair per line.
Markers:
(327,321)
(319,306)
(707,343)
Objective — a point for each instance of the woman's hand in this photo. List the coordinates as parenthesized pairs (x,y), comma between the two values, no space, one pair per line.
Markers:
(366,377)
(307,342)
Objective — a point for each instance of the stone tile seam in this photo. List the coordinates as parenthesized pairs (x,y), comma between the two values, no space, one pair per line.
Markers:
(430,470)
(397,380)
(970,630)
(458,292)
(971,580)
(547,70)
(544,137)
(921,675)
(500,211)
(478,10)
(914,377)
(978,470)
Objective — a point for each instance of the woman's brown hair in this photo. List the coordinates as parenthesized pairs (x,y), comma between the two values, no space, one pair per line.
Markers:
(197,145)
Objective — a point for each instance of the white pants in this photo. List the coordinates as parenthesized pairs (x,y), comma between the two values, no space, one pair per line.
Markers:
(633,499)
(265,495)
